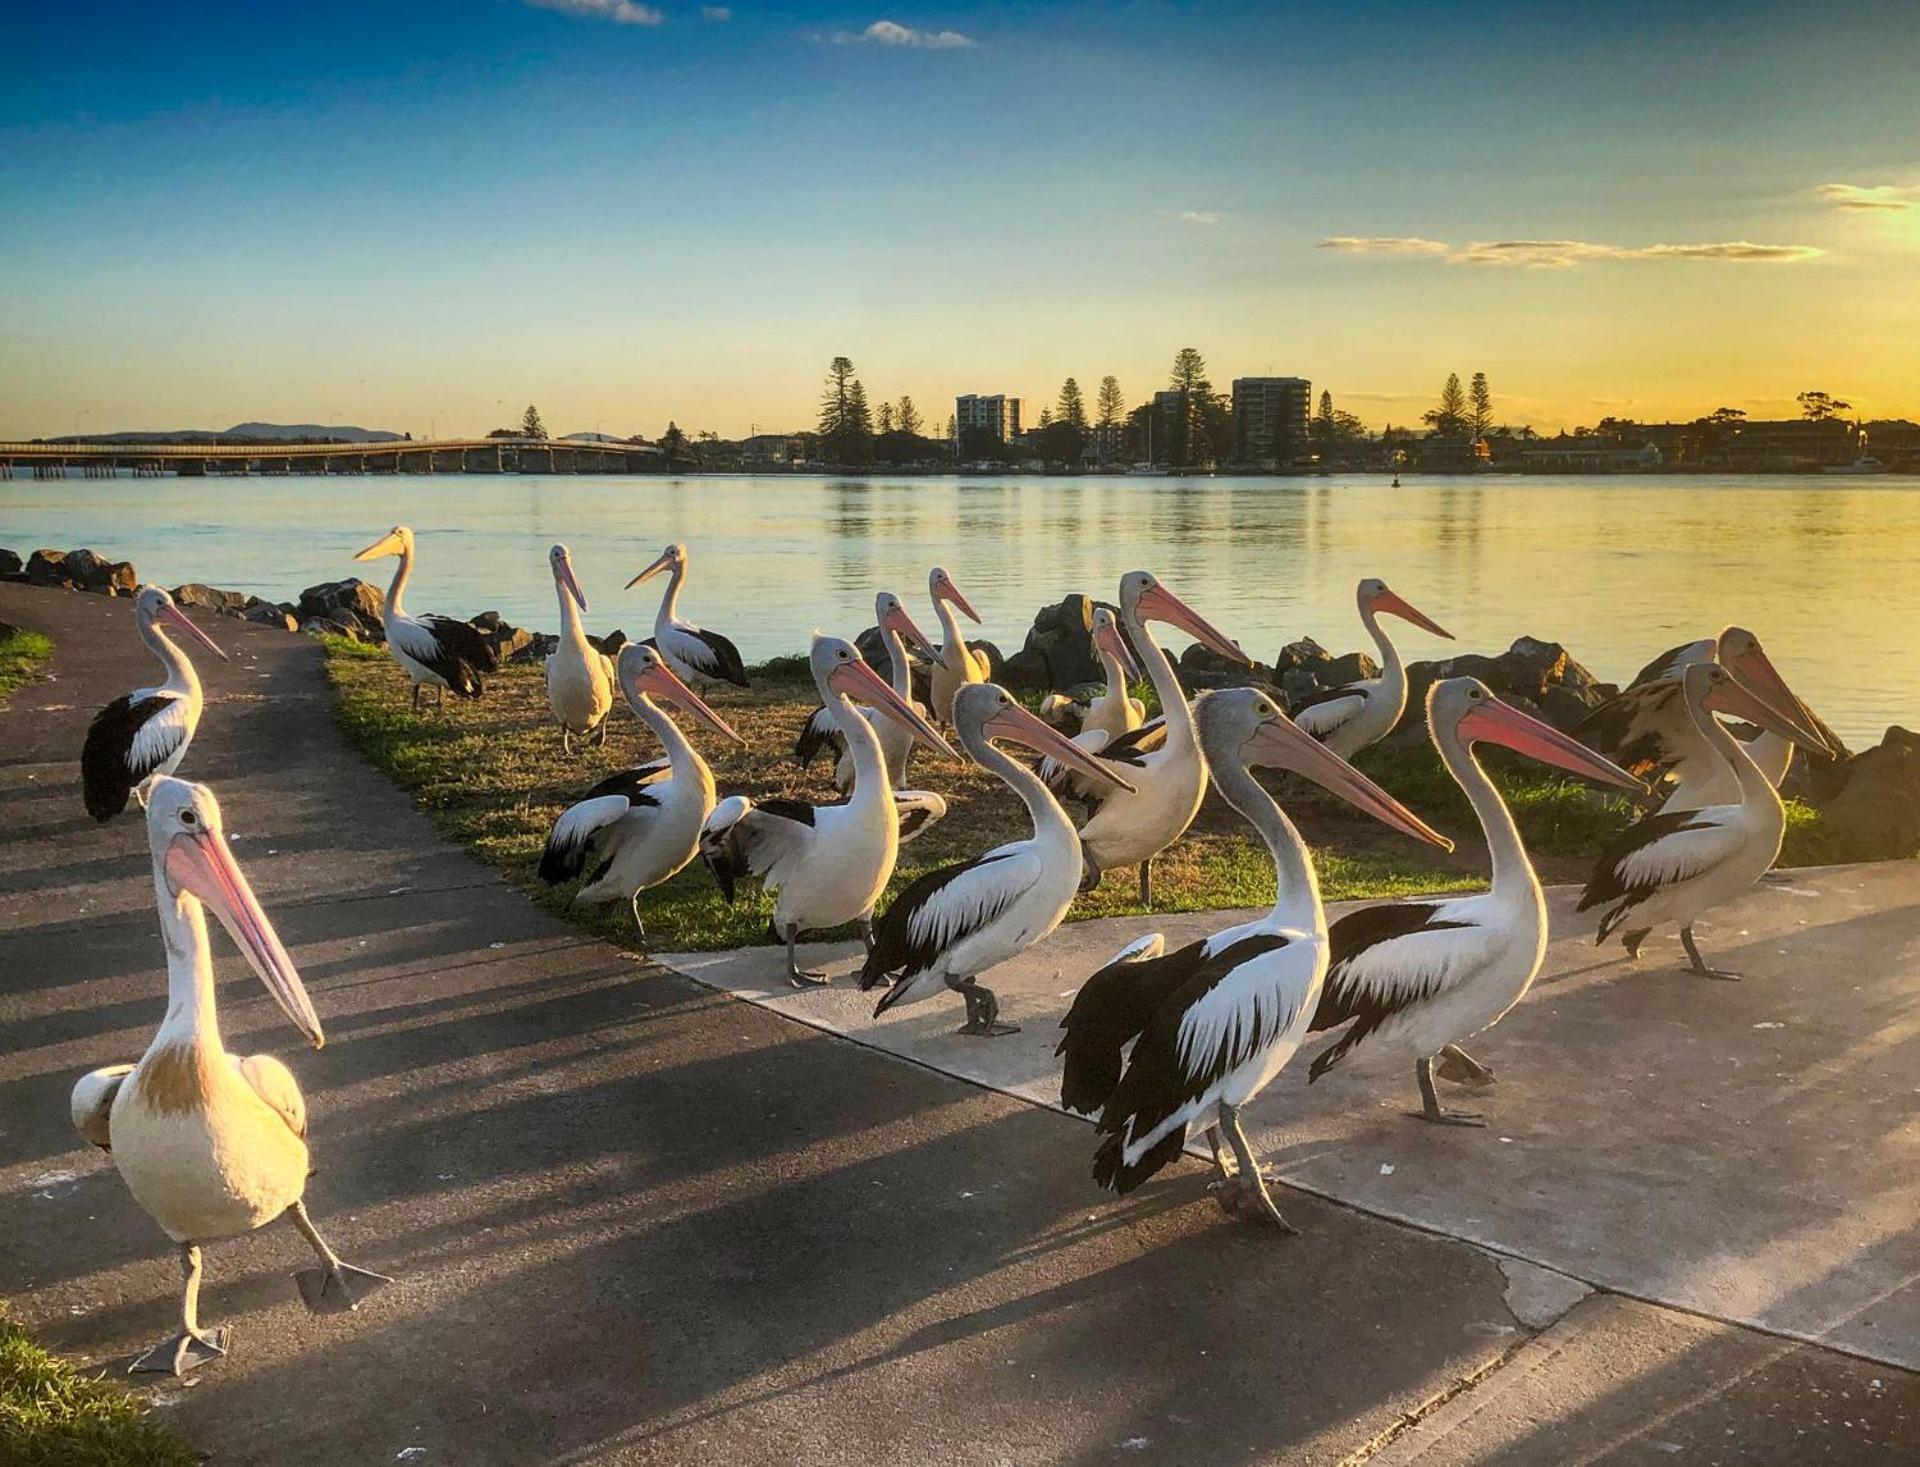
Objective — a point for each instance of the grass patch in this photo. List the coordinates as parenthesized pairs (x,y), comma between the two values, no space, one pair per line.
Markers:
(52,1415)
(22,656)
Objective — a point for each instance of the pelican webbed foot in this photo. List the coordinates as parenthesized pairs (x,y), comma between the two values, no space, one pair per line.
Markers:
(1462,1068)
(1244,1194)
(184,1353)
(1430,1107)
(1631,942)
(797,976)
(1699,965)
(983,1011)
(336,1287)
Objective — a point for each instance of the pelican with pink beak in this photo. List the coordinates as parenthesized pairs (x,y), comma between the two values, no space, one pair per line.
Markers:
(144,734)
(211,1145)
(698,656)
(579,674)
(1359,714)
(899,635)
(957,663)
(1113,714)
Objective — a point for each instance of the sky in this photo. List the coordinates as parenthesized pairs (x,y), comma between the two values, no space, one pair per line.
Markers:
(423,216)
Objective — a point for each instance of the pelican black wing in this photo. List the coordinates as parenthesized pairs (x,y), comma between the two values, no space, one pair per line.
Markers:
(1344,997)
(109,767)
(462,654)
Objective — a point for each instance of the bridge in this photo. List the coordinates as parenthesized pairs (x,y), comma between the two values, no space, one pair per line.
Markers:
(58,460)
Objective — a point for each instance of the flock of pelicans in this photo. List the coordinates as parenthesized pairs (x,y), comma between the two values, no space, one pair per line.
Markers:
(1158,1044)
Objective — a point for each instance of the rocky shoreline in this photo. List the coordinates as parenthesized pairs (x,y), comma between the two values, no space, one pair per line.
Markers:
(1872,796)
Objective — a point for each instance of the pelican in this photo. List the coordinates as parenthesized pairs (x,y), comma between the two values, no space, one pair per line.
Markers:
(211,1145)
(1113,714)
(145,733)
(699,657)
(1649,729)
(953,924)
(957,663)
(1679,863)
(1422,977)
(828,864)
(1349,719)
(642,825)
(1163,759)
(898,632)
(1218,1019)
(441,650)
(579,674)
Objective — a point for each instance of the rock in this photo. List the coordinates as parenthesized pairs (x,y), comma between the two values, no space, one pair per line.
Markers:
(207,598)
(509,643)
(1062,637)
(266,614)
(545,643)
(489,621)
(10,566)
(361,602)
(336,624)
(81,570)
(873,651)
(1298,684)
(1305,654)
(1876,816)
(1563,708)
(1352,668)
(1026,671)
(47,568)
(1201,668)
(610,644)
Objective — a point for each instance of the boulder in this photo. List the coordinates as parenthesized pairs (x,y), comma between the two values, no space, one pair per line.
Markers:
(335,624)
(267,614)
(1026,671)
(352,602)
(1304,655)
(489,621)
(1201,668)
(207,598)
(87,570)
(1062,638)
(1352,668)
(47,568)
(11,568)
(509,643)
(1876,816)
(610,644)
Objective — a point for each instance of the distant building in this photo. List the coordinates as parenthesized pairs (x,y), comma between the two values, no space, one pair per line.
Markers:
(1590,452)
(773,448)
(997,414)
(1108,443)
(1270,419)
(1792,443)
(1894,441)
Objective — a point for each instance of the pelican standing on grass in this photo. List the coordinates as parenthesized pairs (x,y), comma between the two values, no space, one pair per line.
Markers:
(957,664)
(1110,715)
(1676,865)
(642,825)
(1162,760)
(439,650)
(1419,978)
(955,923)
(579,674)
(211,1145)
(700,657)
(1217,1020)
(1351,718)
(827,864)
(145,733)
(898,632)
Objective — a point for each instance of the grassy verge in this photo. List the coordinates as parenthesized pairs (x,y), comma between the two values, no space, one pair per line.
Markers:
(52,1415)
(22,655)
(492,776)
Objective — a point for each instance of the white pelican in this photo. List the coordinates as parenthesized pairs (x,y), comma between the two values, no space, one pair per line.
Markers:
(953,924)
(579,674)
(642,825)
(1648,729)
(1113,714)
(1422,977)
(439,650)
(1162,760)
(211,1145)
(828,864)
(145,733)
(1349,719)
(819,732)
(1676,864)
(957,664)
(1218,1019)
(700,657)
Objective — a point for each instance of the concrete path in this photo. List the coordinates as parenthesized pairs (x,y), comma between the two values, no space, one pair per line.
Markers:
(635,1220)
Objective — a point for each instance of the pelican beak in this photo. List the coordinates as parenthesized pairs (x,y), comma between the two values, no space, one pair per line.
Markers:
(387,544)
(950,592)
(571,582)
(1388,602)
(1280,743)
(1157,603)
(1756,672)
(174,616)
(903,627)
(1109,637)
(1735,699)
(663,682)
(199,862)
(665,559)
(858,681)
(1501,723)
(1017,725)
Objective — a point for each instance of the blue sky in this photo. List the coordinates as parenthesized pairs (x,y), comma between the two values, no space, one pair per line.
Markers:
(425,215)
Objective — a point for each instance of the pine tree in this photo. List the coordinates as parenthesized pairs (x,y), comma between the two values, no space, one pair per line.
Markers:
(846,422)
(530,424)
(907,417)
(1320,431)
(883,423)
(1046,417)
(1450,417)
(1480,413)
(1073,407)
(1112,403)
(833,401)
(1186,442)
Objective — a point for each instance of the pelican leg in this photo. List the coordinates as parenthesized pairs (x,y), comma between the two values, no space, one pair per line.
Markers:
(983,1010)
(866,933)
(566,739)
(140,791)
(1146,882)
(1700,964)
(1462,1068)
(600,733)
(440,700)
(1255,1204)
(638,925)
(416,697)
(1089,872)
(1225,1188)
(798,976)
(189,1349)
(1631,942)
(1430,1102)
(330,1288)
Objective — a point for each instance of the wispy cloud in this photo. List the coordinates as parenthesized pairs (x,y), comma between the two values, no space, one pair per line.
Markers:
(1564,254)
(1871,196)
(716,12)
(1194,216)
(892,33)
(620,12)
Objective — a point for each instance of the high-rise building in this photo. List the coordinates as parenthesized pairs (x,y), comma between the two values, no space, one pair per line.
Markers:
(1270,419)
(997,414)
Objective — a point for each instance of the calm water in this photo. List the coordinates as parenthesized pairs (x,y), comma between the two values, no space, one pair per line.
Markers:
(1826,570)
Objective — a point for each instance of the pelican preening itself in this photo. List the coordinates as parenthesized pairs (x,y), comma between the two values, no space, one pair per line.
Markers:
(698,656)
(957,664)
(441,651)
(1422,977)
(1217,1020)
(145,733)
(827,864)
(953,924)
(209,1144)
(639,827)
(819,732)
(579,674)
(1351,718)
(1677,864)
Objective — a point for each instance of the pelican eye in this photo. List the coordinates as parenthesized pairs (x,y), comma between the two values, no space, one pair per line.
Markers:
(187,817)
